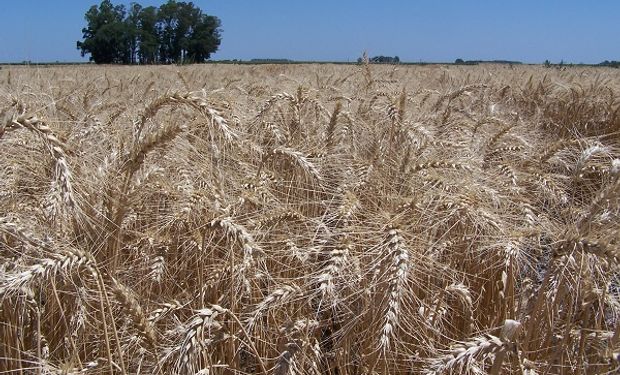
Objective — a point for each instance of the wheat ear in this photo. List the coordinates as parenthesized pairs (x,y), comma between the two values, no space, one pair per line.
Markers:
(398,256)
(130,304)
(57,150)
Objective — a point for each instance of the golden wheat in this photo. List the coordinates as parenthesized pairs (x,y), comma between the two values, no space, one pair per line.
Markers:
(309,219)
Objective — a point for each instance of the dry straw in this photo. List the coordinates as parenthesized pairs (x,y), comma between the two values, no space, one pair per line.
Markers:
(309,219)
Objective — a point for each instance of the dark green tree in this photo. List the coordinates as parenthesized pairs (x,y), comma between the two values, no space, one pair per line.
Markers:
(106,36)
(204,39)
(188,18)
(167,21)
(147,35)
(132,23)
(186,34)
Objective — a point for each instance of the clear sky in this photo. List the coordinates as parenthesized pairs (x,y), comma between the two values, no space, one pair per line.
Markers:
(429,30)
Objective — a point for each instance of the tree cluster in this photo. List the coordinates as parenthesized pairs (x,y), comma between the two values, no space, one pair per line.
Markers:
(613,63)
(382,60)
(176,32)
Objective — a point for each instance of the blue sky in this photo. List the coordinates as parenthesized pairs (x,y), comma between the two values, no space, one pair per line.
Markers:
(427,30)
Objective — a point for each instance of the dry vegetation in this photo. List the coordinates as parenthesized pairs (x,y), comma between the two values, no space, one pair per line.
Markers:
(309,219)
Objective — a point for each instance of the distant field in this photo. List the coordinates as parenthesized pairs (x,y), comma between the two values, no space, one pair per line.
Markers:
(309,219)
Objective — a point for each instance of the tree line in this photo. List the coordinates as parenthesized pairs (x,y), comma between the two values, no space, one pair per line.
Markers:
(175,32)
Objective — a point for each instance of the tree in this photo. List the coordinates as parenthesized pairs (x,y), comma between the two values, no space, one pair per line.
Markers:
(166,24)
(176,32)
(106,37)
(132,23)
(204,39)
(147,35)
(186,34)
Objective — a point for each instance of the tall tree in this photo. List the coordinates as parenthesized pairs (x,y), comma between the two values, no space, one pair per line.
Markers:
(186,34)
(205,39)
(106,37)
(133,30)
(147,35)
(167,21)
(188,18)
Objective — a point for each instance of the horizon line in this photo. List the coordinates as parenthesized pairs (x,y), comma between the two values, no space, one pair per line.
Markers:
(289,61)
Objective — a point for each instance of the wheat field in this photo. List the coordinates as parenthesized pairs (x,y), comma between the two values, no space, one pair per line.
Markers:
(309,219)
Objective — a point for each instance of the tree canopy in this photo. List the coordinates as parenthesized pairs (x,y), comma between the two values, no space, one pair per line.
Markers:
(176,32)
